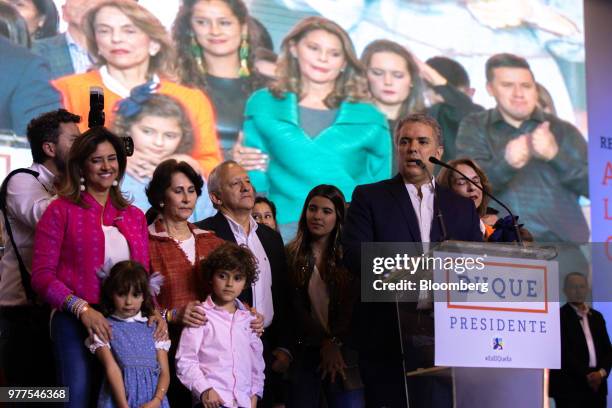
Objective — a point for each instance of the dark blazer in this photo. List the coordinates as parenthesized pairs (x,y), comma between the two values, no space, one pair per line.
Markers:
(570,382)
(273,245)
(25,92)
(383,212)
(55,50)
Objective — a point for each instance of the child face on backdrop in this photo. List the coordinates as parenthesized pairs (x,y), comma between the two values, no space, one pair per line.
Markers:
(156,137)
(227,286)
(127,304)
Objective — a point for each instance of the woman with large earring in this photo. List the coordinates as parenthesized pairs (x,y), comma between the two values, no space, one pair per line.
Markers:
(323,298)
(89,228)
(216,54)
(135,57)
(315,121)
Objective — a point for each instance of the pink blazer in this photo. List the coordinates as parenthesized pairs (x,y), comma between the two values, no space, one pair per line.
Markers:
(69,247)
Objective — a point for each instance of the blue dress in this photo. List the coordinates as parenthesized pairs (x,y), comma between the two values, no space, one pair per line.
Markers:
(133,347)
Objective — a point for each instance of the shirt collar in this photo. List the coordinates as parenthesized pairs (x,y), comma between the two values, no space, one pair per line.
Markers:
(115,86)
(44,175)
(580,312)
(138,317)
(237,228)
(73,44)
(209,304)
(424,188)
(537,115)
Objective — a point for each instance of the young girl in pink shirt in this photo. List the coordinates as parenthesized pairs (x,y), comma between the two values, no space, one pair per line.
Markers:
(222,363)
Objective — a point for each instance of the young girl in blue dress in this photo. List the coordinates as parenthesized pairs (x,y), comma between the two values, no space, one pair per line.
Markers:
(135,365)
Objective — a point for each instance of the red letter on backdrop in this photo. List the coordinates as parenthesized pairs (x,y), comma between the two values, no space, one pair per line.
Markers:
(607,174)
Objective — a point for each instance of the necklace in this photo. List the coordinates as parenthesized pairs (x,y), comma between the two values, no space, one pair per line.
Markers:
(179,236)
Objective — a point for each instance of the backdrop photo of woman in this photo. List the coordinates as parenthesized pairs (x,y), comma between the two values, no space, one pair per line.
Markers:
(135,56)
(161,130)
(315,121)
(216,53)
(41,17)
(399,81)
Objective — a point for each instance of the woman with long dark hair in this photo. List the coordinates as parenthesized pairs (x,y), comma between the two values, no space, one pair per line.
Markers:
(216,42)
(323,299)
(41,17)
(89,228)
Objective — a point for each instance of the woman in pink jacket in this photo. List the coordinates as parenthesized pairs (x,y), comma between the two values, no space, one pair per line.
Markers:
(89,228)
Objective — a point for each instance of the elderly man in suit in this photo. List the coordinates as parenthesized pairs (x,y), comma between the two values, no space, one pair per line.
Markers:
(233,196)
(586,354)
(25,91)
(401,209)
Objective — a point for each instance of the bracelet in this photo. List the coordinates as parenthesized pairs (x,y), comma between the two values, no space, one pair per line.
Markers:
(172,315)
(83,309)
(164,314)
(75,305)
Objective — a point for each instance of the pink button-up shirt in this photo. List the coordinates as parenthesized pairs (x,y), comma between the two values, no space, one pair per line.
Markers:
(224,354)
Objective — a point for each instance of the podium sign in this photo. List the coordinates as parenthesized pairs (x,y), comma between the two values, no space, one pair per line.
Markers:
(509,320)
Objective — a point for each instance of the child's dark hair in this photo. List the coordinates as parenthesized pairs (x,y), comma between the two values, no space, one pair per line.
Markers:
(124,277)
(231,257)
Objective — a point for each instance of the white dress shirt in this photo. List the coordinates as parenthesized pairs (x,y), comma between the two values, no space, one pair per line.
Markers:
(27,199)
(262,288)
(423,208)
(583,316)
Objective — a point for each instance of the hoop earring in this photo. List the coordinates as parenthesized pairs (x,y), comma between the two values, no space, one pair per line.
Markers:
(243,53)
(196,52)
(82,181)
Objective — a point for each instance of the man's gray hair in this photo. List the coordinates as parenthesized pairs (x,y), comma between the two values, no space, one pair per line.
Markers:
(214,179)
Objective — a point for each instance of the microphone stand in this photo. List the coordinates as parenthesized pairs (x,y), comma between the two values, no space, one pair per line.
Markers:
(514,221)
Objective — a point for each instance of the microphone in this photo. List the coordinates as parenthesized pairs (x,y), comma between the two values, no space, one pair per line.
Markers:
(437,199)
(448,166)
(96,107)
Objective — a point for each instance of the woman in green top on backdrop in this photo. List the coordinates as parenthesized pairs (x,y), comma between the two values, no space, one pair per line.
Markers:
(315,121)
